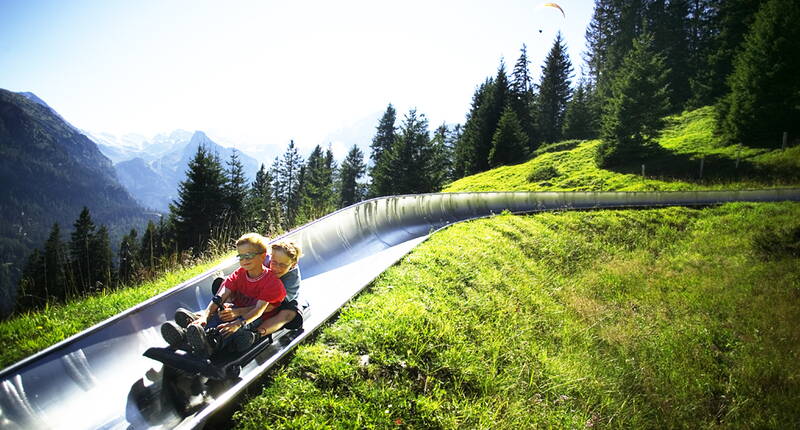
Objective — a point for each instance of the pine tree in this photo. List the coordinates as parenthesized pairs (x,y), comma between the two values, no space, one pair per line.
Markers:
(8,291)
(579,119)
(379,171)
(669,24)
(351,171)
(80,250)
(103,273)
(288,181)
(640,99)
(411,156)
(200,202)
(509,141)
(442,145)
(317,196)
(56,266)
(498,101)
(466,147)
(764,100)
(384,136)
(728,23)
(129,256)
(32,285)
(235,193)
(263,211)
(523,97)
(609,37)
(554,91)
(277,190)
(151,248)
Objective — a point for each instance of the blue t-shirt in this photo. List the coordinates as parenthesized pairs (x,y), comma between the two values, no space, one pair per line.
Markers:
(291,281)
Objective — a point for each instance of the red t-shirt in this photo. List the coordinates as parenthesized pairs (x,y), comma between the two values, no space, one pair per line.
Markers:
(247,291)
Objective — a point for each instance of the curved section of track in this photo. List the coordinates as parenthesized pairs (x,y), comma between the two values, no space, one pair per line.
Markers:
(99,378)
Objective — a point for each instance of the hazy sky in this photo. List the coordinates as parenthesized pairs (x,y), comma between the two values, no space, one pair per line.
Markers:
(262,72)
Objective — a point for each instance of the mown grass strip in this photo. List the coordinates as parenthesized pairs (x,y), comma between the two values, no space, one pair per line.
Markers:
(667,318)
(33,331)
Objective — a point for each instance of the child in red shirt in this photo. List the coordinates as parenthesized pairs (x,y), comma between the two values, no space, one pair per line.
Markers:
(251,291)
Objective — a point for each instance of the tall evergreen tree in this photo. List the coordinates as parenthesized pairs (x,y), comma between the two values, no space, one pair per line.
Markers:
(81,251)
(764,100)
(384,135)
(152,246)
(318,194)
(442,145)
(32,284)
(235,193)
(728,23)
(288,180)
(523,97)
(351,171)
(102,258)
(509,144)
(640,99)
(579,120)
(263,211)
(200,202)
(381,147)
(411,156)
(129,256)
(466,148)
(8,291)
(554,91)
(609,37)
(58,282)
(498,101)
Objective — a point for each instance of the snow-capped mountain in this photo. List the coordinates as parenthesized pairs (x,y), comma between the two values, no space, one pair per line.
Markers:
(151,169)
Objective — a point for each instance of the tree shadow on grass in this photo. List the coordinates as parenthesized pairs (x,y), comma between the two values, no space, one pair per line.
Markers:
(709,168)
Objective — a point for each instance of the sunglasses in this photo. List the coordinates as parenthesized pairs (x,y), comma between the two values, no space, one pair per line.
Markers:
(248,256)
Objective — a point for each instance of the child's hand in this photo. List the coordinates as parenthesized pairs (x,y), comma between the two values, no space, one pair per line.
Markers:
(227,314)
(229,328)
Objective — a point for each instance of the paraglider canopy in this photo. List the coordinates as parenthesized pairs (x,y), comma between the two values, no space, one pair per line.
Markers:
(554,5)
(546,20)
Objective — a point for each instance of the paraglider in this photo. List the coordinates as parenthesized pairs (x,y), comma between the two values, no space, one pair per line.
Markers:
(554,5)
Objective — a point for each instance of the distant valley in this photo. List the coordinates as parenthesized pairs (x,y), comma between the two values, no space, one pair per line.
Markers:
(152,168)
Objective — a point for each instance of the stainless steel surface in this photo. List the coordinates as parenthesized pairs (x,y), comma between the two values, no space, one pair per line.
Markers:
(99,378)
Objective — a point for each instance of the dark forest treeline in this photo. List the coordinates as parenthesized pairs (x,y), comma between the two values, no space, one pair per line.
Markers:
(215,205)
(645,59)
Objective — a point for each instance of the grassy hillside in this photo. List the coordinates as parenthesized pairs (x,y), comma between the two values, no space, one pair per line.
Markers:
(673,165)
(31,332)
(668,318)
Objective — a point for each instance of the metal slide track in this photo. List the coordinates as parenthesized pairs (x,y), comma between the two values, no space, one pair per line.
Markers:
(99,379)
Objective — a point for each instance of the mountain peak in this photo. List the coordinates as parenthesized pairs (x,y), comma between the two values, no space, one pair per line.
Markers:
(200,138)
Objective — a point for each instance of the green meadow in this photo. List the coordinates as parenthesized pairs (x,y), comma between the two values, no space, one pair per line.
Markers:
(665,318)
(674,164)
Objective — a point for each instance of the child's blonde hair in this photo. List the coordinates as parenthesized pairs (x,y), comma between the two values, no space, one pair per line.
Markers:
(255,240)
(291,249)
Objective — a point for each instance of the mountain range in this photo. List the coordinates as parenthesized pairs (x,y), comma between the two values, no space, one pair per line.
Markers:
(152,169)
(49,171)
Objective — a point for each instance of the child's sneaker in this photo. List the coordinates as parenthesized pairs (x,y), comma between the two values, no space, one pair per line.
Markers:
(197,341)
(174,334)
(243,340)
(184,317)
